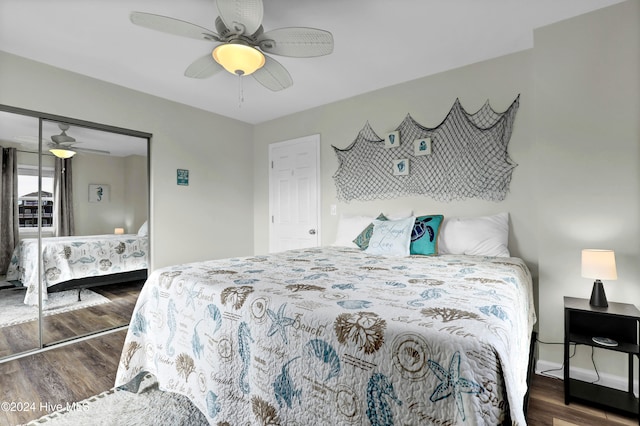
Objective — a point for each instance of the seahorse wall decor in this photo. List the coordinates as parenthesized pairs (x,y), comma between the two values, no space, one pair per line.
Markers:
(467,158)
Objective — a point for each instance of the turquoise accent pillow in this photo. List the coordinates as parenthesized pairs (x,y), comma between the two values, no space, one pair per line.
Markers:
(424,237)
(362,240)
(391,237)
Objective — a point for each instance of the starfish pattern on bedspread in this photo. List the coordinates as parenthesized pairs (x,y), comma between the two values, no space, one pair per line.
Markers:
(452,384)
(280,323)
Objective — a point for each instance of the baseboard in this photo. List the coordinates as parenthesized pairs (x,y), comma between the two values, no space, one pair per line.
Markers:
(553,369)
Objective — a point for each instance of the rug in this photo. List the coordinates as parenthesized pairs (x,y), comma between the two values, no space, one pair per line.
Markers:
(150,406)
(13,310)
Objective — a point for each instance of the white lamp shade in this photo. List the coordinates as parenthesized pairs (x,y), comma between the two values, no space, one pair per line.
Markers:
(599,264)
(118,231)
(62,153)
(238,58)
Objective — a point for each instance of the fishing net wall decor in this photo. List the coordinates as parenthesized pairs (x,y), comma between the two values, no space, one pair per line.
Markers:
(468,159)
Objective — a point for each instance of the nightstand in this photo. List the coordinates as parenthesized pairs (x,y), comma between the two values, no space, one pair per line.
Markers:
(620,322)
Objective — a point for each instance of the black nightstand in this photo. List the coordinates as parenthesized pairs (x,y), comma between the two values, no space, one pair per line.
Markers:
(620,322)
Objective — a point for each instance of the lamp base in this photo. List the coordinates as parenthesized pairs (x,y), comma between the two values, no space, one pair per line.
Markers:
(598,297)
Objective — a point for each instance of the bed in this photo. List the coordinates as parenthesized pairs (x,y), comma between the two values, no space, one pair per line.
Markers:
(78,262)
(337,335)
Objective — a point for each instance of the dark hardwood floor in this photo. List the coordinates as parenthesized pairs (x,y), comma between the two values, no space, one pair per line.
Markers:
(23,337)
(546,407)
(39,382)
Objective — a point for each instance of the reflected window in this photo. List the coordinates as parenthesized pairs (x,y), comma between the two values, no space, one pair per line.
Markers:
(28,206)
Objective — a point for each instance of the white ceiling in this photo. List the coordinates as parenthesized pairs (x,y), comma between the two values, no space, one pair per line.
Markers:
(378,43)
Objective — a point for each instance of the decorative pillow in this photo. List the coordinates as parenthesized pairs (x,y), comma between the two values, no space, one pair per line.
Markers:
(480,236)
(362,240)
(144,229)
(424,237)
(391,237)
(349,227)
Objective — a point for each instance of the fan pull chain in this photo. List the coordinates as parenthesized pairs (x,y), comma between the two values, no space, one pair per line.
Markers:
(240,91)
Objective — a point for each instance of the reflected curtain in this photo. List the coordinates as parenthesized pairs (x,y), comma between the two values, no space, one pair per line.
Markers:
(8,206)
(63,196)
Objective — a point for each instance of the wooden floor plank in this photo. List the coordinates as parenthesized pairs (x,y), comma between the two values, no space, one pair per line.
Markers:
(547,408)
(24,337)
(59,377)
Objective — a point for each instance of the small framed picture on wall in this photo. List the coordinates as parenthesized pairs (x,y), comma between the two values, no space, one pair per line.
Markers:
(422,146)
(401,167)
(98,193)
(392,139)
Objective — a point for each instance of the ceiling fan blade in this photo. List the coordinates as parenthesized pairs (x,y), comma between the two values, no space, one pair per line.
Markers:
(172,26)
(91,150)
(297,42)
(74,147)
(203,67)
(63,145)
(273,75)
(241,16)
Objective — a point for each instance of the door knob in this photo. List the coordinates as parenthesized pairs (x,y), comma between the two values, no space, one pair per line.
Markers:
(312,231)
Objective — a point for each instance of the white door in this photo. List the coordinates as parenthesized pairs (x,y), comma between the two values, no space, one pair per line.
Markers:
(294,195)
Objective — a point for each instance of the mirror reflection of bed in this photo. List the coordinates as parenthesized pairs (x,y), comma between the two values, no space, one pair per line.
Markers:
(94,262)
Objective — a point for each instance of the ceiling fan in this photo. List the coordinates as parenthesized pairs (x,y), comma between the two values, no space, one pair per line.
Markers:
(241,42)
(63,145)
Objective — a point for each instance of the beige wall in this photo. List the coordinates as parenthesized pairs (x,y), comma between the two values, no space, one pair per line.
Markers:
(586,78)
(210,218)
(127,180)
(137,193)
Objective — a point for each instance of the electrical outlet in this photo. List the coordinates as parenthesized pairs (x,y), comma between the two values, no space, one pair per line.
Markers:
(334,210)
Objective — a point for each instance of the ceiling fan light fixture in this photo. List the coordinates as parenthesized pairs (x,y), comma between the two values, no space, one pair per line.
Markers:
(238,58)
(62,153)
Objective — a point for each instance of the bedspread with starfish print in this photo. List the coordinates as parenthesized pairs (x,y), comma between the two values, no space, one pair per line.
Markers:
(336,336)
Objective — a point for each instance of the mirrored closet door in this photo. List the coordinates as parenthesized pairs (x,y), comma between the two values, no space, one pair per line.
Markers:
(83,248)
(19,325)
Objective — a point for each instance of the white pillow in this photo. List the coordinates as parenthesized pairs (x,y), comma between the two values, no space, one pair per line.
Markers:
(400,214)
(349,227)
(144,229)
(391,237)
(479,236)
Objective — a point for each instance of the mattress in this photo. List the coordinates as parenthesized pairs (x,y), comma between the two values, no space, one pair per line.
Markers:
(336,336)
(67,258)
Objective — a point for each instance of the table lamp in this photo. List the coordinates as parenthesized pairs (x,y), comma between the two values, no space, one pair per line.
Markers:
(118,231)
(599,265)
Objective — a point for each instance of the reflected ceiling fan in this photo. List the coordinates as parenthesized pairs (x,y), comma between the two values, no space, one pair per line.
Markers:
(242,42)
(63,145)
